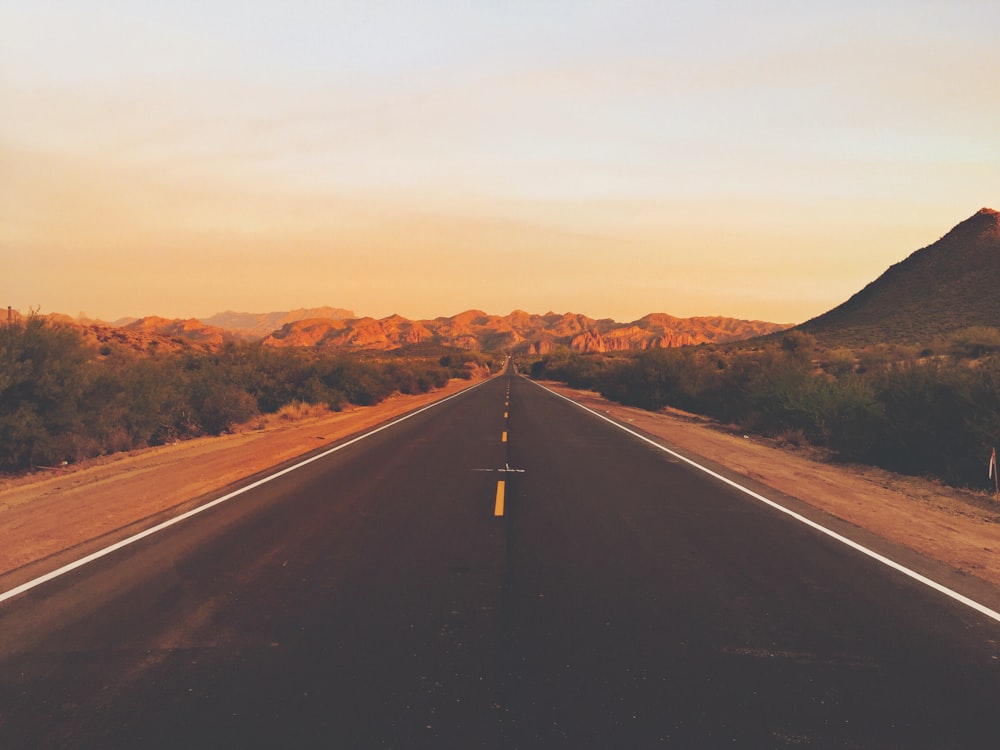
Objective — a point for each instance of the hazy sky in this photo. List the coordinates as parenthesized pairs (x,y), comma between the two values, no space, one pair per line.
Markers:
(759,160)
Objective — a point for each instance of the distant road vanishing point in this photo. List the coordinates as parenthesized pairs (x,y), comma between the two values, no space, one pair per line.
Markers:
(503,570)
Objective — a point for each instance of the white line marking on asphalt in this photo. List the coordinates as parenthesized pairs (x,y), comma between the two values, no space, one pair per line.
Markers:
(218,501)
(940,588)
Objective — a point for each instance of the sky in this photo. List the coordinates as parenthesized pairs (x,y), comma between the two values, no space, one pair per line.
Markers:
(760,160)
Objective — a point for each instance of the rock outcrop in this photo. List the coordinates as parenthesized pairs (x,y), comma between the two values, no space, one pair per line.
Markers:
(518,332)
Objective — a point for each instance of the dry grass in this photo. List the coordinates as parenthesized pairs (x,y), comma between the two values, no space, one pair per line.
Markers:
(299,410)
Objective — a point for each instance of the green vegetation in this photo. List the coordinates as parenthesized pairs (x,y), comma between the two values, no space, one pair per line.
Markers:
(933,411)
(63,399)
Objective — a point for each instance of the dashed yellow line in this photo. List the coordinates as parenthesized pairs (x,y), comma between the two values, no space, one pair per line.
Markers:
(498,505)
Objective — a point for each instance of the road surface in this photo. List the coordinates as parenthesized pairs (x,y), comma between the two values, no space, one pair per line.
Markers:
(503,570)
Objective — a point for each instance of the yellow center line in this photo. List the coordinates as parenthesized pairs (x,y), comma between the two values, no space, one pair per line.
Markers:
(498,508)
(503,437)
(505,415)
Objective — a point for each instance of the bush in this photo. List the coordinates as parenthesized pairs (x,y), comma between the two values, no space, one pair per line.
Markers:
(223,407)
(975,342)
(798,342)
(917,417)
(838,363)
(43,376)
(61,399)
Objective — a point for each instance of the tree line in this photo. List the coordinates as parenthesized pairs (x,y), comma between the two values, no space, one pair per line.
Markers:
(64,398)
(933,411)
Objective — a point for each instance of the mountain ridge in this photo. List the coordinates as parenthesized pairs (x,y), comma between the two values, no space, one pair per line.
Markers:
(251,326)
(517,332)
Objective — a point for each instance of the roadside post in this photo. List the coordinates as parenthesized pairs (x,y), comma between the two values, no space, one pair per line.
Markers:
(994,475)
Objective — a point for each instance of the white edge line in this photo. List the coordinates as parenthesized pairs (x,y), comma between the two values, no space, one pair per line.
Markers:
(940,588)
(218,501)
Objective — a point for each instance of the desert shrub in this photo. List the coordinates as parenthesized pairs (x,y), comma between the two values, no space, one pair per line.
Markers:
(845,415)
(273,377)
(297,410)
(217,401)
(792,436)
(838,362)
(224,407)
(537,369)
(411,377)
(650,380)
(925,407)
(43,377)
(975,342)
(362,383)
(778,395)
(798,342)
(132,402)
(61,399)
(873,360)
(24,441)
(933,417)
(588,371)
(982,422)
(459,364)
(575,369)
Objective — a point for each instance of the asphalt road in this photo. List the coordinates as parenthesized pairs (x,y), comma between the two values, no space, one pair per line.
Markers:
(378,598)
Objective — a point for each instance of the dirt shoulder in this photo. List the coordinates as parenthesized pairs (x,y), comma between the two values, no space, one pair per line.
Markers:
(960,529)
(92,504)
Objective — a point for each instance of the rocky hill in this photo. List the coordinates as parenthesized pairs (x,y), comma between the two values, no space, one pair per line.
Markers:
(252,326)
(152,334)
(149,335)
(518,332)
(474,329)
(190,330)
(944,287)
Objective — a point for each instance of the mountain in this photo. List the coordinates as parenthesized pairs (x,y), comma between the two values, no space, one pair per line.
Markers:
(251,326)
(949,285)
(518,332)
(150,335)
(191,330)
